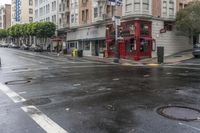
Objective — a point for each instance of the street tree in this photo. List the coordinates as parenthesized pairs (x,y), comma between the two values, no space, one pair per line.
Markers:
(3,34)
(188,20)
(45,30)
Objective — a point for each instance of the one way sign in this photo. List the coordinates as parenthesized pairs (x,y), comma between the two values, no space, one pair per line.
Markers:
(114,2)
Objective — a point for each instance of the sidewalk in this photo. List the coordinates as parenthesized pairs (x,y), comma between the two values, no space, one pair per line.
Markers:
(172,59)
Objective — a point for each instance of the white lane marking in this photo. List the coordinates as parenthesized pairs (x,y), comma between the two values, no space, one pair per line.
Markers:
(44,121)
(195,128)
(23,92)
(75,85)
(40,118)
(115,79)
(13,95)
(88,66)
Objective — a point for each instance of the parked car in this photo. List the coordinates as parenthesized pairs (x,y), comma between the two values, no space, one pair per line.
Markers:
(24,47)
(5,45)
(196,50)
(36,48)
(12,45)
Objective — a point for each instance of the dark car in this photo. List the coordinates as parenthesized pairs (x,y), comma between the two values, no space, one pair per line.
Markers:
(36,48)
(24,47)
(196,50)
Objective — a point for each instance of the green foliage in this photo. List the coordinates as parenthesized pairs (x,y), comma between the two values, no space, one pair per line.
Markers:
(39,29)
(3,33)
(188,19)
(45,29)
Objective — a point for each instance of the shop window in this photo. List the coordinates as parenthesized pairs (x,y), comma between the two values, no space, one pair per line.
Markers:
(144,29)
(168,26)
(130,45)
(87,46)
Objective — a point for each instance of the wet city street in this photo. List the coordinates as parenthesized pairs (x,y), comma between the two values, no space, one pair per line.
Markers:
(41,93)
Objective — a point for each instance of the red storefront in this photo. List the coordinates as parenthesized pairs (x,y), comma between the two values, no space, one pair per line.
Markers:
(135,40)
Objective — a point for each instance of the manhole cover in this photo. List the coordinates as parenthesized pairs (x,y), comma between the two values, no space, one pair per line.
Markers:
(19,69)
(180,113)
(38,101)
(15,82)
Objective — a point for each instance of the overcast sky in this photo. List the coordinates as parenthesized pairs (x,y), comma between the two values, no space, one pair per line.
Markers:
(2,2)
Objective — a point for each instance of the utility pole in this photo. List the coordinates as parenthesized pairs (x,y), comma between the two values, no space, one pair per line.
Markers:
(116,20)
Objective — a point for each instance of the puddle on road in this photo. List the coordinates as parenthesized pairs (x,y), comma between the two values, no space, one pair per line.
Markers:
(38,101)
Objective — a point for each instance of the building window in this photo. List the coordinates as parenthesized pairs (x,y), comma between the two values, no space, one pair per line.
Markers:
(54,6)
(145,4)
(76,18)
(30,19)
(100,11)
(48,8)
(36,3)
(48,19)
(87,14)
(171,8)
(137,5)
(87,45)
(30,2)
(30,11)
(54,19)
(95,12)
(164,8)
(72,18)
(83,15)
(128,5)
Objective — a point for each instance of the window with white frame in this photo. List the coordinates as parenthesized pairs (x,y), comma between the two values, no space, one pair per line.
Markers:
(145,5)
(164,10)
(171,8)
(72,18)
(137,5)
(95,12)
(47,8)
(128,5)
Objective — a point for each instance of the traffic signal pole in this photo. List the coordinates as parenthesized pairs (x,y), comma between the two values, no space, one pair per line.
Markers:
(116,54)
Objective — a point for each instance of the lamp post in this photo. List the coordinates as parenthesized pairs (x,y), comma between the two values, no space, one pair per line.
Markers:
(116,20)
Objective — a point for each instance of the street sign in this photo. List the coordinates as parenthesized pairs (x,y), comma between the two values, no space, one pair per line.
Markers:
(115,2)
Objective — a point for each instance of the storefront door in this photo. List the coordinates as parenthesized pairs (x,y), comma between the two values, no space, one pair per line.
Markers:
(122,50)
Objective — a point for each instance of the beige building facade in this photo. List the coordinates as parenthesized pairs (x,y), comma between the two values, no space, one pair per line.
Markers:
(22,11)
(87,21)
(5,16)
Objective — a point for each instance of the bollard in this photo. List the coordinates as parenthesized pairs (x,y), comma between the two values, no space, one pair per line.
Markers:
(160,54)
(0,62)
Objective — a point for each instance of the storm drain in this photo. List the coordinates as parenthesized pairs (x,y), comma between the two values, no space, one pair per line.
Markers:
(38,101)
(16,82)
(17,69)
(180,113)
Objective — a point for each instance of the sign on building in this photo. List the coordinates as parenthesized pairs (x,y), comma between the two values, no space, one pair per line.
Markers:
(115,2)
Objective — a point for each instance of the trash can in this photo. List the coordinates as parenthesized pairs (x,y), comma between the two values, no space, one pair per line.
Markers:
(65,51)
(160,54)
(80,53)
(74,52)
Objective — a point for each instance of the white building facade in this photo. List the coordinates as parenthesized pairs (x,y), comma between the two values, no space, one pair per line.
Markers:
(2,13)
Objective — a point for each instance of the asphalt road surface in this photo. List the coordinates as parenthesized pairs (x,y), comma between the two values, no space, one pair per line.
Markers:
(40,93)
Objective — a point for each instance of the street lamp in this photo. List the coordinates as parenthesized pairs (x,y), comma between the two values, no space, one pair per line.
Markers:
(117,22)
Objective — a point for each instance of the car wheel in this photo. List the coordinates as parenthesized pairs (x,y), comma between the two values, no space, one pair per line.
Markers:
(196,56)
